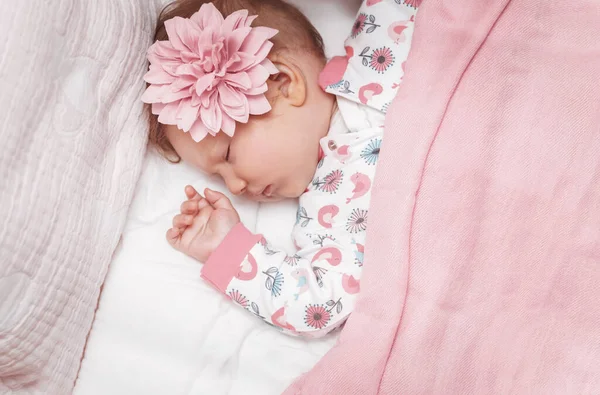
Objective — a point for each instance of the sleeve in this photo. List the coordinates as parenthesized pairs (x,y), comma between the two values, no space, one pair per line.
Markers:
(313,291)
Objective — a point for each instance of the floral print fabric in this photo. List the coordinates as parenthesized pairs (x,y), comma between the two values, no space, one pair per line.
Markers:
(313,291)
(376,50)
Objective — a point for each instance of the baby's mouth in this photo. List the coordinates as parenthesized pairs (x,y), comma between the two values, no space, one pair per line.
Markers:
(268,191)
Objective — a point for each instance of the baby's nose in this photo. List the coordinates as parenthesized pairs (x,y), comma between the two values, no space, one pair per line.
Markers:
(237,186)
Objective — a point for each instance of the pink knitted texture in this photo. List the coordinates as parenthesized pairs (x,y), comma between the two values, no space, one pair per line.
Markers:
(482,267)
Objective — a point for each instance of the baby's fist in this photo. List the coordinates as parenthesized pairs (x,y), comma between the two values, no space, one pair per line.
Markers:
(202,224)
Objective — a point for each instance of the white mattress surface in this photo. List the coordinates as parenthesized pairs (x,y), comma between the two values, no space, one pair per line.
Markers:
(159,328)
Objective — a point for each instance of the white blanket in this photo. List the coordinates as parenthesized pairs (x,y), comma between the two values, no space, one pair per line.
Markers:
(159,328)
(72,144)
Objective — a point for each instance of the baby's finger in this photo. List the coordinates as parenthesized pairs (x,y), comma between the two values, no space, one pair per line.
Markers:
(192,193)
(205,213)
(182,220)
(189,207)
(217,199)
(173,235)
(203,203)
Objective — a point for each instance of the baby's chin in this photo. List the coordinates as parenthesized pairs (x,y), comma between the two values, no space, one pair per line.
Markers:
(266,199)
(274,198)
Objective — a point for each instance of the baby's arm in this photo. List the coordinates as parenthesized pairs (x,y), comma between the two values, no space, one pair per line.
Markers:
(311,292)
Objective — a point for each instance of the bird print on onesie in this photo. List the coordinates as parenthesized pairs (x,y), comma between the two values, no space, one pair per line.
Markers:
(362,185)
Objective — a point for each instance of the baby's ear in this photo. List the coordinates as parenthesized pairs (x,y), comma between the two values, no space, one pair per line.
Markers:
(289,83)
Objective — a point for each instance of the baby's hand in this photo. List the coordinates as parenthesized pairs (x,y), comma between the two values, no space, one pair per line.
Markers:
(202,224)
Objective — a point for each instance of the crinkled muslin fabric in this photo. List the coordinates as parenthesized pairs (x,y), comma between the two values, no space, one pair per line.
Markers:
(73,139)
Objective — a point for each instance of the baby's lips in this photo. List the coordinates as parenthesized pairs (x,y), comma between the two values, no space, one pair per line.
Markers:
(268,191)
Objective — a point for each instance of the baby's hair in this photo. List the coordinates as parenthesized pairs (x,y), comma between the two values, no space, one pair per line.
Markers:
(296,33)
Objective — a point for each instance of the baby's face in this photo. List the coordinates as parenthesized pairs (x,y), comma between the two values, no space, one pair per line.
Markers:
(270,158)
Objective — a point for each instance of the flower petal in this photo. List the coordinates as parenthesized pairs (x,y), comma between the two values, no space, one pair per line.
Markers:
(185,70)
(153,93)
(236,39)
(250,19)
(198,131)
(196,100)
(188,33)
(238,80)
(228,125)
(211,116)
(258,75)
(174,95)
(219,120)
(257,38)
(186,115)
(230,97)
(172,27)
(164,50)
(263,51)
(267,64)
(257,90)
(233,58)
(207,15)
(157,108)
(258,105)
(184,82)
(239,113)
(189,57)
(168,115)
(156,75)
(234,21)
(245,61)
(203,83)
(206,97)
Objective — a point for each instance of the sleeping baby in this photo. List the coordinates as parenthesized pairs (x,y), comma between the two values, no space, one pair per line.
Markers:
(241,89)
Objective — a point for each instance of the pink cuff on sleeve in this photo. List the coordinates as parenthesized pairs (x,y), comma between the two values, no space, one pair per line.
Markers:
(224,263)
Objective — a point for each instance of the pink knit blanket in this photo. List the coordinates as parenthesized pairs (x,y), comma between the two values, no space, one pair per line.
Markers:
(482,270)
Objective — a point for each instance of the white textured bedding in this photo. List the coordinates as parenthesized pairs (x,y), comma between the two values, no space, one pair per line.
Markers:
(159,328)
(71,128)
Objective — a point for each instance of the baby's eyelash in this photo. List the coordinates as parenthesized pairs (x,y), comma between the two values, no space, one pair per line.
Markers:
(227,155)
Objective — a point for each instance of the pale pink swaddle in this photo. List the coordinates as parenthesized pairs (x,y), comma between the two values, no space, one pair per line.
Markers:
(482,266)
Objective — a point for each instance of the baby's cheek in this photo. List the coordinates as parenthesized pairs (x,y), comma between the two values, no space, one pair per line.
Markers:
(258,160)
(267,153)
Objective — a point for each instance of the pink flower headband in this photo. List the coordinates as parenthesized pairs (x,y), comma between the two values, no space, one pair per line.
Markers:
(212,72)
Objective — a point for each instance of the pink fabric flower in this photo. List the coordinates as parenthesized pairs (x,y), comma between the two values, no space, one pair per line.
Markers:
(317,316)
(381,59)
(238,298)
(211,73)
(359,25)
(332,181)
